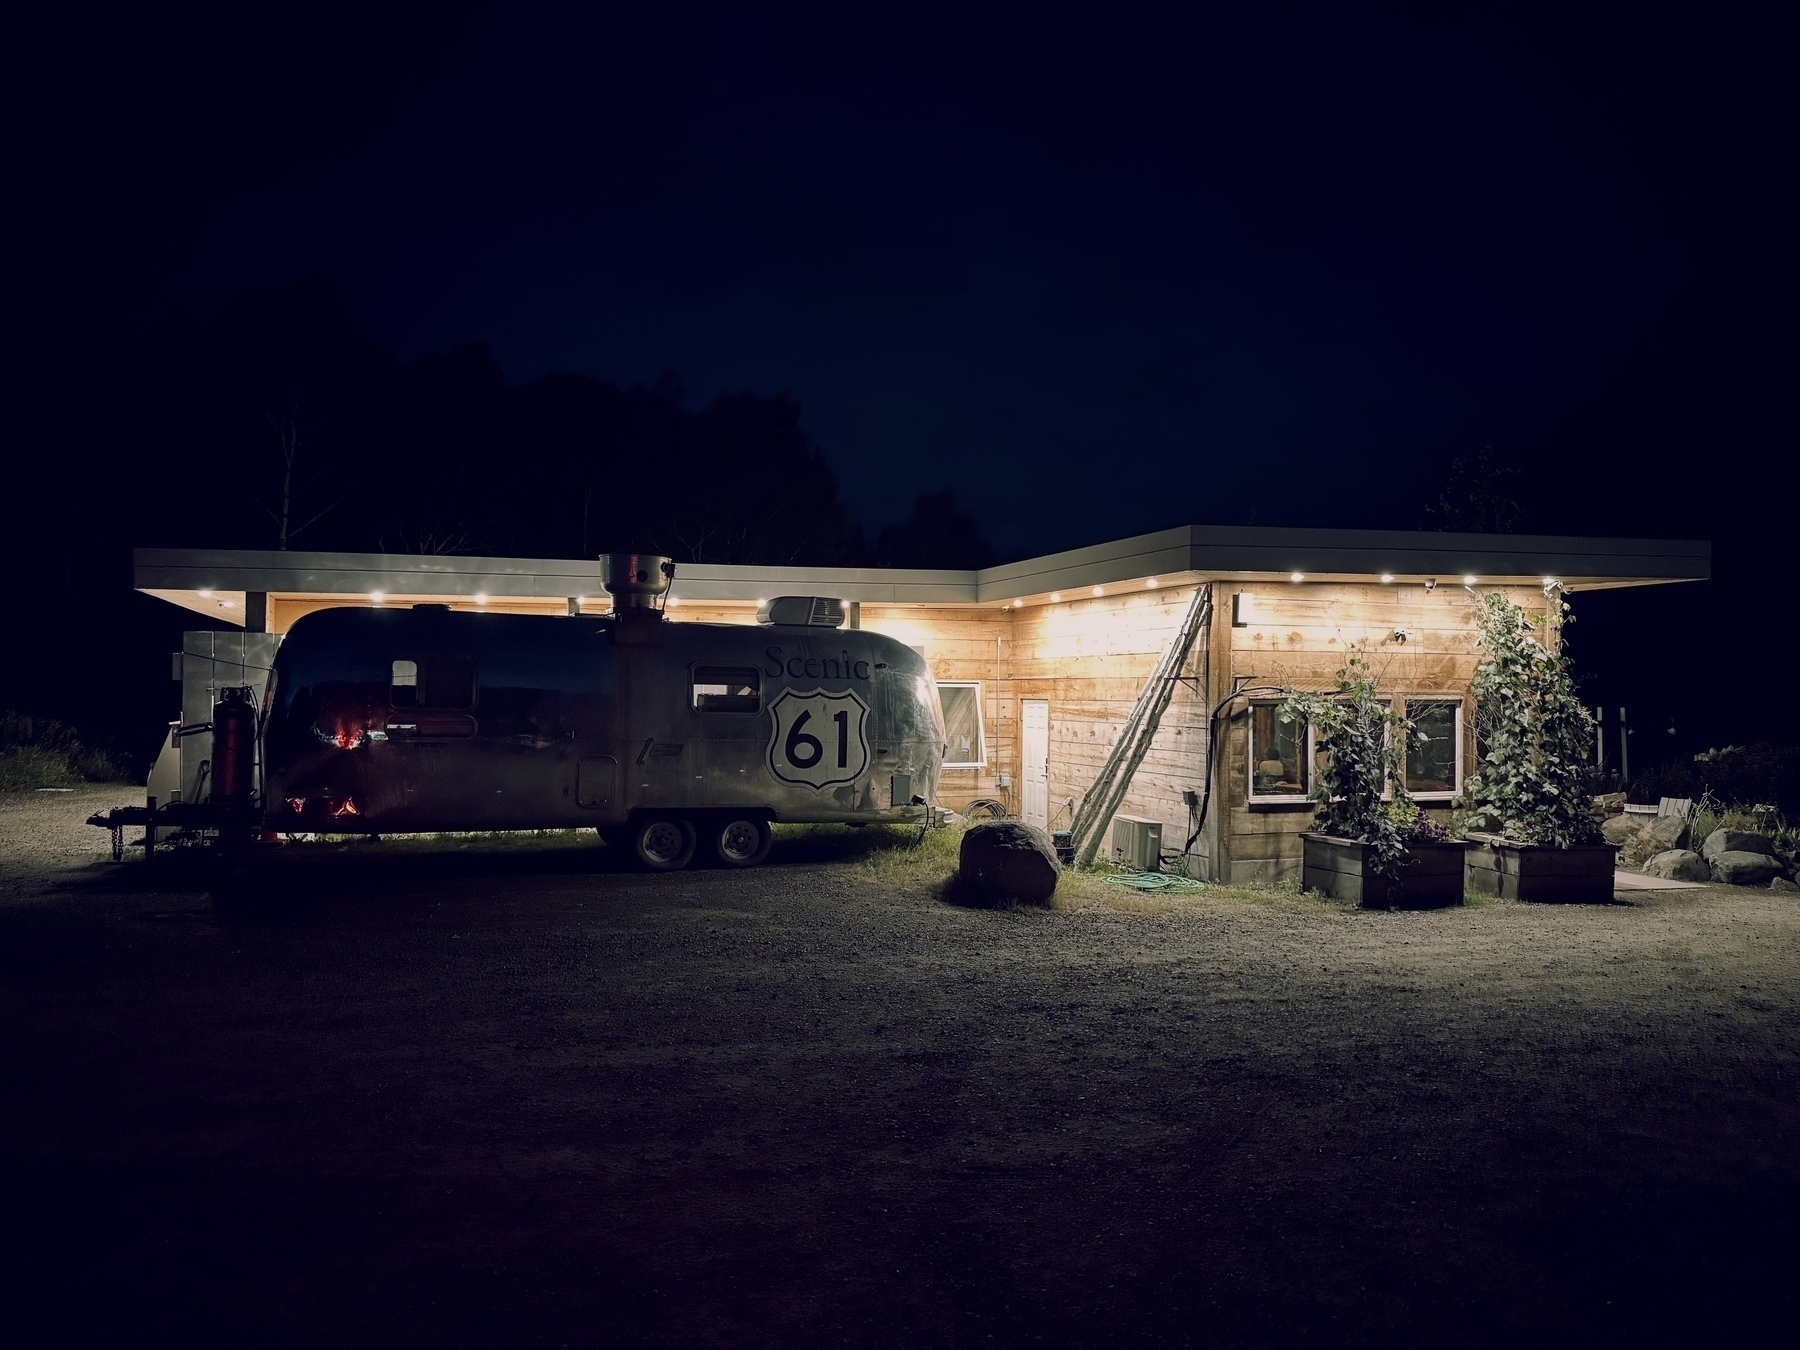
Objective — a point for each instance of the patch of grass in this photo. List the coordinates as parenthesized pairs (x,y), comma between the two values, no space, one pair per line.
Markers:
(897,857)
(36,752)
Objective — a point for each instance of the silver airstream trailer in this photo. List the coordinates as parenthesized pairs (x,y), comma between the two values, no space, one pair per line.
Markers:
(663,736)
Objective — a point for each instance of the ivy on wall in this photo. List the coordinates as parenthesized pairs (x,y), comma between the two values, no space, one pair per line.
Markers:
(1539,738)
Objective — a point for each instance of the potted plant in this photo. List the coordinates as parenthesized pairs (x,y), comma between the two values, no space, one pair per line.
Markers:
(1377,853)
(1532,779)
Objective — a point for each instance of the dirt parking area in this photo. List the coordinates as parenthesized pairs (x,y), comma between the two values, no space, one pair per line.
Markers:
(494,1094)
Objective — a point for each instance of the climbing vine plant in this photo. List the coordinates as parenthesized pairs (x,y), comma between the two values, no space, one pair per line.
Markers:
(1363,737)
(1533,771)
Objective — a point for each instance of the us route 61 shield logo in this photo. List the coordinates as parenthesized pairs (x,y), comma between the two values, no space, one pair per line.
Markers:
(819,739)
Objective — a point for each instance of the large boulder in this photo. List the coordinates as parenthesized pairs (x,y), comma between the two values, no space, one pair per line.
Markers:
(1669,832)
(1783,884)
(1735,841)
(1003,859)
(1617,829)
(1678,864)
(1739,867)
(1638,848)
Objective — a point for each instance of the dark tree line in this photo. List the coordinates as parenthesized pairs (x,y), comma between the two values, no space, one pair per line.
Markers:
(326,441)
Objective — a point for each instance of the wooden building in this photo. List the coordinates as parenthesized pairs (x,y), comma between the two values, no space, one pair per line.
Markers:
(1041,662)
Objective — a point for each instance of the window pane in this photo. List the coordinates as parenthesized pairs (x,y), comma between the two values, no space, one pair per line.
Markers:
(1431,748)
(449,682)
(1277,754)
(727,689)
(405,689)
(962,723)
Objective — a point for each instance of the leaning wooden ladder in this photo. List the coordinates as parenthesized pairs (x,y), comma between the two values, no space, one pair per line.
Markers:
(1108,790)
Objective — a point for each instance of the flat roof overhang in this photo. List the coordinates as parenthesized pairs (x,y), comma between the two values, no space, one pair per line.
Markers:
(214,582)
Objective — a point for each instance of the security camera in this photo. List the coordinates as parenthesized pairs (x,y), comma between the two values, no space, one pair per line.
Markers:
(1400,635)
(1431,584)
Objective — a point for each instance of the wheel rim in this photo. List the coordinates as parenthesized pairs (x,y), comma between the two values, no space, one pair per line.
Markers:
(662,842)
(739,840)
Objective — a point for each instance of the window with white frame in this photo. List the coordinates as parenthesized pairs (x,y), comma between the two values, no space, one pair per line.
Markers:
(1281,756)
(1434,748)
(967,748)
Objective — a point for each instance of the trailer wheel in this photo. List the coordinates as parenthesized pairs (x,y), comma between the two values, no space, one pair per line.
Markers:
(741,841)
(663,843)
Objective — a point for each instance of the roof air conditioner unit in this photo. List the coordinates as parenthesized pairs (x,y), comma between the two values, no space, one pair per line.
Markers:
(802,611)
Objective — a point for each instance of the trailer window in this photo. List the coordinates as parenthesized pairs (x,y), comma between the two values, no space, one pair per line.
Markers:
(433,682)
(406,684)
(964,746)
(727,689)
(449,682)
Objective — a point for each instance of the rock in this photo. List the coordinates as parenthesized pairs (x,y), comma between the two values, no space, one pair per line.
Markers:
(1004,859)
(1740,867)
(1669,831)
(1678,864)
(1639,847)
(1617,829)
(1735,841)
(1783,884)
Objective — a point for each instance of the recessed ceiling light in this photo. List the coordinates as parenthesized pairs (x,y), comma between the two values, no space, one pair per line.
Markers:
(1055,598)
(481,597)
(674,600)
(1297,576)
(225,604)
(1387,577)
(206,595)
(378,596)
(1099,590)
(1468,581)
(1150,584)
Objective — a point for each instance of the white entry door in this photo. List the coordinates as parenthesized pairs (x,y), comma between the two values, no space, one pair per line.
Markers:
(1034,766)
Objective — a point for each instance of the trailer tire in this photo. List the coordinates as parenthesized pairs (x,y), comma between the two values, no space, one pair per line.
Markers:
(741,841)
(664,843)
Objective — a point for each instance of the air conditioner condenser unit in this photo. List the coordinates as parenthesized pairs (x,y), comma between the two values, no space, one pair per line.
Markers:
(1137,843)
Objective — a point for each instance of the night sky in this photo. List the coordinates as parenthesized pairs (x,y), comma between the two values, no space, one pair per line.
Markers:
(1097,276)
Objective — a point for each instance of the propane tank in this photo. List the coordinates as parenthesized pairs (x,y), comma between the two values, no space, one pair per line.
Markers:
(233,748)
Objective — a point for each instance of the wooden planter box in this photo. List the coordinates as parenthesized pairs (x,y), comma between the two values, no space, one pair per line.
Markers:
(1431,877)
(1582,874)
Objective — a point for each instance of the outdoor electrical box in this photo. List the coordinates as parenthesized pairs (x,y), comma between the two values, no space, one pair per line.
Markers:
(1137,843)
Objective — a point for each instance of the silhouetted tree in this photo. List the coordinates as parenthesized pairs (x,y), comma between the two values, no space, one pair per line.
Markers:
(938,533)
(1475,497)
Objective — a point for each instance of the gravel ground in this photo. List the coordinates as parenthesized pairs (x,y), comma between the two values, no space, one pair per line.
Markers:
(495,1095)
